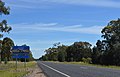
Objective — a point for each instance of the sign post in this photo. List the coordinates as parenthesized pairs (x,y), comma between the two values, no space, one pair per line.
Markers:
(16,62)
(25,64)
(19,52)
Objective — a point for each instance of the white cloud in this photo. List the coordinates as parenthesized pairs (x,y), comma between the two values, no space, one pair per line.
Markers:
(39,45)
(40,3)
(103,3)
(21,6)
(41,27)
(44,42)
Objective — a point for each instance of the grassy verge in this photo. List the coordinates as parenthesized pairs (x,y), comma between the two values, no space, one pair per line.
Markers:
(9,70)
(86,64)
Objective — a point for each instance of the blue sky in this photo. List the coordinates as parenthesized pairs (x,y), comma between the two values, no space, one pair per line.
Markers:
(41,23)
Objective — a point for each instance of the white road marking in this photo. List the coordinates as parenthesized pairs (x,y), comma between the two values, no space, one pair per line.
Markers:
(55,70)
(83,67)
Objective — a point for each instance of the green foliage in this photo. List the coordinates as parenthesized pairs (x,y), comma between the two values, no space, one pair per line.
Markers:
(63,53)
(107,51)
(78,50)
(56,53)
(3,24)
(61,56)
(3,9)
(44,58)
(87,60)
(5,62)
(31,57)
(7,44)
(95,55)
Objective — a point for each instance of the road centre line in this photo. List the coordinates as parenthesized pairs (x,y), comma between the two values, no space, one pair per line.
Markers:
(55,70)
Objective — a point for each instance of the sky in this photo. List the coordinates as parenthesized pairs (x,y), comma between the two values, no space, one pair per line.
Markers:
(41,23)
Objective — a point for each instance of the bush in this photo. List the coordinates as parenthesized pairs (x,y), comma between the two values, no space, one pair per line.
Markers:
(87,60)
(61,56)
(5,62)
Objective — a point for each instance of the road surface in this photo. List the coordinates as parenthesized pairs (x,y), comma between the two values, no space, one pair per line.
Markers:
(71,70)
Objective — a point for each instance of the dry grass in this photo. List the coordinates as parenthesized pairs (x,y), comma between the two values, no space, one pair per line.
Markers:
(9,70)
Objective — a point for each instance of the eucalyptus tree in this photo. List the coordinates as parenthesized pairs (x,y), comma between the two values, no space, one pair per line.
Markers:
(111,34)
(79,50)
(97,52)
(7,44)
(3,24)
(62,54)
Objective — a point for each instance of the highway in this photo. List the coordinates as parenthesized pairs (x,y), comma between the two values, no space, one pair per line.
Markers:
(52,69)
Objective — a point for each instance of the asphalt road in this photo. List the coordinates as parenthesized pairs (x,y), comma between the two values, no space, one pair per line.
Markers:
(71,70)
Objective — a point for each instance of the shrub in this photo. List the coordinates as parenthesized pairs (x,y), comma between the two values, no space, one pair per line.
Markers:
(87,60)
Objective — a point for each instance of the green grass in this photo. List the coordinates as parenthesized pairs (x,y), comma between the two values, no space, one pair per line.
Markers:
(9,70)
(12,74)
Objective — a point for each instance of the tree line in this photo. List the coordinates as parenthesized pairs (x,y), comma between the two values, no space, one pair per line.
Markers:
(78,51)
(105,52)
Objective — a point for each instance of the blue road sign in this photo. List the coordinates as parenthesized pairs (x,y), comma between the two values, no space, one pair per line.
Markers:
(18,52)
(20,48)
(20,55)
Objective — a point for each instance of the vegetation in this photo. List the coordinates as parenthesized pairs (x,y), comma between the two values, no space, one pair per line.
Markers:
(75,52)
(106,52)
(4,27)
(9,70)
(7,43)
(78,50)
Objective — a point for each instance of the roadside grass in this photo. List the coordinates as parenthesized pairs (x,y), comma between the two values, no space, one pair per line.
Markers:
(9,70)
(87,64)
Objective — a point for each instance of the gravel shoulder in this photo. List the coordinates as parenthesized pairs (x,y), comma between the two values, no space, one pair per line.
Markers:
(36,72)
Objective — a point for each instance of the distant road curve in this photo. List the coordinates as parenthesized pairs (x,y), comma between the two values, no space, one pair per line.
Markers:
(71,70)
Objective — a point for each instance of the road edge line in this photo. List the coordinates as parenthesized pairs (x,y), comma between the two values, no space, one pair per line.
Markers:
(55,70)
